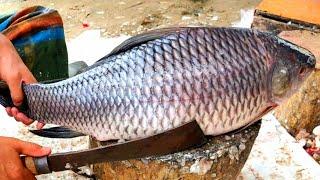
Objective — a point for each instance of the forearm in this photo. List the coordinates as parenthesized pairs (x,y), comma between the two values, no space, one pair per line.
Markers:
(4,40)
(5,47)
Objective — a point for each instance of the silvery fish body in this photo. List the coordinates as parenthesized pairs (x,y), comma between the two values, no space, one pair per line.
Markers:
(222,77)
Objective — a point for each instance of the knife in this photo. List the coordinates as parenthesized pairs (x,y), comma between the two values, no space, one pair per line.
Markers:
(178,139)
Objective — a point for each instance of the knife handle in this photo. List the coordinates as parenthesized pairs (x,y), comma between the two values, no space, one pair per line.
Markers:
(37,165)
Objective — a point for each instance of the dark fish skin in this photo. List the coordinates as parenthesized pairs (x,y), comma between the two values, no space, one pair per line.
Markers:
(222,77)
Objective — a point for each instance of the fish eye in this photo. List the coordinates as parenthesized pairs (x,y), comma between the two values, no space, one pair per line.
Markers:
(280,81)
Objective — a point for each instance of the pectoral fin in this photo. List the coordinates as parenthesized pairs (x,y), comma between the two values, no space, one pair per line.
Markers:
(57,132)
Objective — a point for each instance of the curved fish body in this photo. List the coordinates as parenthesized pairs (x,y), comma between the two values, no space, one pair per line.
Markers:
(222,77)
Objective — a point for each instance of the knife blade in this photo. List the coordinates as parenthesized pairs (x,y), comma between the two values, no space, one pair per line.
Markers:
(178,139)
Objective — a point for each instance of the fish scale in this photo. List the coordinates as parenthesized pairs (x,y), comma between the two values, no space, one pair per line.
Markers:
(217,76)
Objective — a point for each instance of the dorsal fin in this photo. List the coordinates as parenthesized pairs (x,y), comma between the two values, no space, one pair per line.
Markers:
(143,38)
(136,41)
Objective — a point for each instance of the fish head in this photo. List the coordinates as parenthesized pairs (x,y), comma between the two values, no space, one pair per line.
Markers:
(290,68)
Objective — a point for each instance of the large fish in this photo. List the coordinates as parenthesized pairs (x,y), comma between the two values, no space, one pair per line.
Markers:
(225,78)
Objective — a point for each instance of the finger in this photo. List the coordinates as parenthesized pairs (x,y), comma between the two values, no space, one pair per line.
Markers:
(14,111)
(26,148)
(32,149)
(23,118)
(40,125)
(15,89)
(8,110)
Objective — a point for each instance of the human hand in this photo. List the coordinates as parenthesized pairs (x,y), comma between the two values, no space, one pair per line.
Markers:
(13,71)
(11,166)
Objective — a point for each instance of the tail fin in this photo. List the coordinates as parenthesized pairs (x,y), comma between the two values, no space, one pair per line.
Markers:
(5,98)
(6,101)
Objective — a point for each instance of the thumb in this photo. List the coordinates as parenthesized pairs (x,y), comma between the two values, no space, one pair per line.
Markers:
(27,148)
(31,149)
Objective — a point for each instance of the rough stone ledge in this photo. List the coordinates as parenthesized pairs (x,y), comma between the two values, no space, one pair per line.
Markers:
(221,158)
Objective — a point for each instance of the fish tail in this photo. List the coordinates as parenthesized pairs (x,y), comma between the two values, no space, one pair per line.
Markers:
(6,101)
